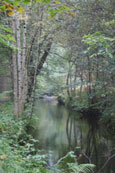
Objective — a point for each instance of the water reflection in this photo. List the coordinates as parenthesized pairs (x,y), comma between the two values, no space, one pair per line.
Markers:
(60,131)
(85,138)
(72,131)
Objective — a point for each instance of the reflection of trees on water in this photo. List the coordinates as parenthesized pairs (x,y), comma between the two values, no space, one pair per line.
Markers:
(91,144)
(94,148)
(71,128)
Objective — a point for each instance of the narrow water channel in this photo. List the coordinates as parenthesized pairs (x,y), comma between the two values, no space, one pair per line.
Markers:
(61,130)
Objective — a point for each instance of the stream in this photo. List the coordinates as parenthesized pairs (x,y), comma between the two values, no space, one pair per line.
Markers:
(60,130)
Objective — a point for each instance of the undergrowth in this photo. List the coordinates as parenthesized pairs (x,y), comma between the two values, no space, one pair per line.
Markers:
(18,153)
(17,148)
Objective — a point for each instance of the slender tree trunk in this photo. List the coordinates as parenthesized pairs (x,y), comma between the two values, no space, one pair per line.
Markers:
(24,68)
(15,73)
(75,132)
(19,61)
(67,81)
(89,74)
(75,79)
(67,132)
(90,101)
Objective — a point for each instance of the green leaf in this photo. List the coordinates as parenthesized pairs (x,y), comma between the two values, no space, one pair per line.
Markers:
(7,29)
(53,12)
(10,38)
(43,1)
(26,1)
(3,8)
(84,168)
(66,8)
(109,53)
(57,2)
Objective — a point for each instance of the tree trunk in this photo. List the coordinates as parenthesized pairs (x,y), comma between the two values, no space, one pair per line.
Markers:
(24,68)
(19,61)
(15,73)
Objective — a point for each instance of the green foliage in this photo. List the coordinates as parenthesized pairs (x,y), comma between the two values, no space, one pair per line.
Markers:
(60,9)
(54,10)
(5,94)
(112,22)
(19,154)
(82,168)
(93,39)
(6,39)
(100,43)
(17,148)
(7,29)
(52,78)
(43,1)
(68,164)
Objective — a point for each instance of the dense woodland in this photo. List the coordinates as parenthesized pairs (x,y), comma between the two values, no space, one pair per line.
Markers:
(63,49)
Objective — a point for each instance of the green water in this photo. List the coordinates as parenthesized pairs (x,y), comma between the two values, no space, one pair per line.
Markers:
(60,130)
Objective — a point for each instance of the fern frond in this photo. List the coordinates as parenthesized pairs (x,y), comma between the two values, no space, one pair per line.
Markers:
(82,168)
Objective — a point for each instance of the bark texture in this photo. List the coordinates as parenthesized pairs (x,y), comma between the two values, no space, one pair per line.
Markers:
(15,73)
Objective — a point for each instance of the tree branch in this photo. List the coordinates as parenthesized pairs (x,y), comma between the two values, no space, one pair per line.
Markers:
(43,58)
(106,163)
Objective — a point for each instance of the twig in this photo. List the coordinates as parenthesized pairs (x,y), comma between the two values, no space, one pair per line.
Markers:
(106,163)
